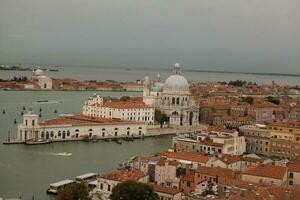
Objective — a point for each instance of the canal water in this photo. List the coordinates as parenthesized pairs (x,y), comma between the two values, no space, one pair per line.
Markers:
(28,170)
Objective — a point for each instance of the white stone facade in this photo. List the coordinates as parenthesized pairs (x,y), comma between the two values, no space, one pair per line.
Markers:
(127,110)
(173,98)
(76,127)
(44,82)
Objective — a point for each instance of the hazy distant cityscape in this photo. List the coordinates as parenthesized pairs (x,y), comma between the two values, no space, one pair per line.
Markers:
(149,100)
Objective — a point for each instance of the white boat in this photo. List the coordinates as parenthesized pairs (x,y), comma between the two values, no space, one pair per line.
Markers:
(57,187)
(46,101)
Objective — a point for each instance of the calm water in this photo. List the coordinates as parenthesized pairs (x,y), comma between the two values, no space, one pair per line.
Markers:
(28,170)
(132,74)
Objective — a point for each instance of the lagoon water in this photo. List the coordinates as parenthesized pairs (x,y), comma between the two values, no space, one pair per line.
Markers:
(28,170)
(132,74)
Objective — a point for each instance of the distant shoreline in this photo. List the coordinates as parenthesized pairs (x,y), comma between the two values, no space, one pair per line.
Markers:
(250,73)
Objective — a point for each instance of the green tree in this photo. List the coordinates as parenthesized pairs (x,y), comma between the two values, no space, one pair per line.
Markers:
(180,171)
(160,117)
(132,190)
(248,100)
(273,100)
(125,98)
(77,191)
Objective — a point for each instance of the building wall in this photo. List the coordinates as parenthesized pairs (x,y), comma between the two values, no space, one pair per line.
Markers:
(293,179)
(164,196)
(93,107)
(73,132)
(264,180)
(257,139)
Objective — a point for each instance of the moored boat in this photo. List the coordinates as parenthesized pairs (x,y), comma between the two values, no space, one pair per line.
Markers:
(56,188)
(36,142)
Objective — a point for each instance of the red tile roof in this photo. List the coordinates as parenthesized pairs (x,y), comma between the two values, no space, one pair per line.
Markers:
(124,175)
(269,171)
(188,156)
(80,119)
(166,190)
(294,166)
(131,104)
(215,171)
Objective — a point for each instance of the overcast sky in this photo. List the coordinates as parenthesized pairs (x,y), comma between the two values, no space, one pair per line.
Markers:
(231,35)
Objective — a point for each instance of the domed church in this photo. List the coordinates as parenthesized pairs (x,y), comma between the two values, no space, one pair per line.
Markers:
(173,98)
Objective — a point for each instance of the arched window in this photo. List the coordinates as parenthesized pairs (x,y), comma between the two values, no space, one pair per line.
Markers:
(173,100)
(177,101)
(77,130)
(90,129)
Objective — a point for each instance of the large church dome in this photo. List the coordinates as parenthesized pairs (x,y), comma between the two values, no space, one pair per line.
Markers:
(176,82)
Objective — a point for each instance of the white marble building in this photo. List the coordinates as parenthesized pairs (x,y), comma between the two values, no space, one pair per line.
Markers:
(44,82)
(133,110)
(76,127)
(172,97)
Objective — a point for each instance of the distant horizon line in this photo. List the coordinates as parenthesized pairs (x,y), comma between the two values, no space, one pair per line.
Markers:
(158,68)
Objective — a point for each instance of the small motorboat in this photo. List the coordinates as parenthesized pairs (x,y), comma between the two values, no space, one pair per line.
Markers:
(36,142)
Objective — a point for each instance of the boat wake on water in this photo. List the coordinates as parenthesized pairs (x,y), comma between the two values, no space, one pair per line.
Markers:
(57,154)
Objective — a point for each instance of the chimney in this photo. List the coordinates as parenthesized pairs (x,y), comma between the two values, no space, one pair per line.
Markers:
(243,192)
(272,197)
(287,195)
(257,196)
(227,193)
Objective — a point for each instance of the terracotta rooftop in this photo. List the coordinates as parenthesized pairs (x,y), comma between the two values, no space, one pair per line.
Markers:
(294,166)
(228,159)
(124,175)
(288,123)
(265,193)
(80,119)
(269,171)
(188,156)
(166,190)
(215,171)
(130,104)
(162,161)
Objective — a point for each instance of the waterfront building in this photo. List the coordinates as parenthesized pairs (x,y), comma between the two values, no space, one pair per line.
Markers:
(133,110)
(76,127)
(172,97)
(42,81)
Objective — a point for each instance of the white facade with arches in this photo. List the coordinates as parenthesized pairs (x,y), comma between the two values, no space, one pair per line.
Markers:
(173,98)
(77,127)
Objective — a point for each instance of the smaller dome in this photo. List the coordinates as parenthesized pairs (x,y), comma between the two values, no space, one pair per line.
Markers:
(157,87)
(38,72)
(177,65)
